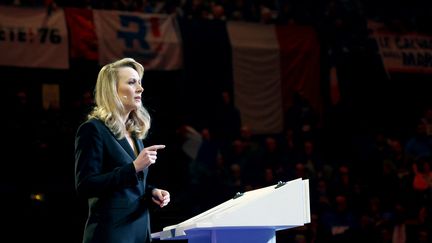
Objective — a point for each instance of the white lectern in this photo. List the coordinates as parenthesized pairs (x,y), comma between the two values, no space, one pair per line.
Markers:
(250,217)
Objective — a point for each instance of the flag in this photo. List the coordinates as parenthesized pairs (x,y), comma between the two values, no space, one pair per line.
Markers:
(271,63)
(82,35)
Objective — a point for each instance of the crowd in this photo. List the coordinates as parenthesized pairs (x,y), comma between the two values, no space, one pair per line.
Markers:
(379,191)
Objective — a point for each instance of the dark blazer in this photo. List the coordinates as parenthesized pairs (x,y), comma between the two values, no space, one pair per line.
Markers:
(116,194)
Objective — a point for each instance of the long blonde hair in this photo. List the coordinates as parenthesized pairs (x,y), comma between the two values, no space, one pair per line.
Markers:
(109,106)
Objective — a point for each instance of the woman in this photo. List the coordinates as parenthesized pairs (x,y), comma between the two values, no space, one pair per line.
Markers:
(111,162)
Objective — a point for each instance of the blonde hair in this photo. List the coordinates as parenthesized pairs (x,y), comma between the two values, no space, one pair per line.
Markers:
(109,106)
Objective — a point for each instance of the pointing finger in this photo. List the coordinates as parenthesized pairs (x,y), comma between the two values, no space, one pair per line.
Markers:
(156,147)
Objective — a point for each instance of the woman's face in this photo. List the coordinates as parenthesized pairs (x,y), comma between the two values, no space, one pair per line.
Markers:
(129,88)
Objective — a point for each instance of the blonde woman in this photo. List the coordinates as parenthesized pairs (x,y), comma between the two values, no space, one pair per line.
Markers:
(111,162)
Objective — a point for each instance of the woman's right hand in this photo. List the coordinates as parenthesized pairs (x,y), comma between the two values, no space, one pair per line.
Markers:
(147,157)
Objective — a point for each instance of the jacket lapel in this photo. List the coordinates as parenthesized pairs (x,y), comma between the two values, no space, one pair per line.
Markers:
(125,145)
(139,143)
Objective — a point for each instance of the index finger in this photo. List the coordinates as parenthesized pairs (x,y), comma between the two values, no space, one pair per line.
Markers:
(156,147)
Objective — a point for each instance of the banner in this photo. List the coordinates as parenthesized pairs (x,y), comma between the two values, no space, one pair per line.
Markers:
(402,52)
(33,38)
(151,39)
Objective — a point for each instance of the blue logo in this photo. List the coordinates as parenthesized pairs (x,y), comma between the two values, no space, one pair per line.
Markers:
(138,36)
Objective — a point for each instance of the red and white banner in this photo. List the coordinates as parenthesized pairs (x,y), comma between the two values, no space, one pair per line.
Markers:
(33,38)
(270,63)
(151,39)
(402,52)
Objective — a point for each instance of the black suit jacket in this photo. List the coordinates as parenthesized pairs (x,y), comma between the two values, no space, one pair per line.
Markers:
(116,194)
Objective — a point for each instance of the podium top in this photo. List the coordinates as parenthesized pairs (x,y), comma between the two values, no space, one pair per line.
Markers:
(280,206)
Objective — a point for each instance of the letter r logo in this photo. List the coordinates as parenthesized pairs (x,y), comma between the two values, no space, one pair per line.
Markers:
(129,37)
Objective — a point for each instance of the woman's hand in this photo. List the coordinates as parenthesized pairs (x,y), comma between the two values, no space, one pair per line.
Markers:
(146,157)
(160,197)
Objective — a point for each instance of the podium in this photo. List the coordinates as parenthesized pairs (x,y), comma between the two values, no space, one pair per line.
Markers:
(249,217)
